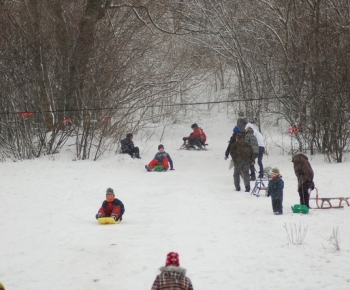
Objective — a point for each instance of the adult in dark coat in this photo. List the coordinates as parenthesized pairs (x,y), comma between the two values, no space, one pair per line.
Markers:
(242,121)
(127,147)
(242,156)
(305,175)
(236,130)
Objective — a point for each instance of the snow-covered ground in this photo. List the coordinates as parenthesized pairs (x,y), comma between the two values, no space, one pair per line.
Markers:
(49,238)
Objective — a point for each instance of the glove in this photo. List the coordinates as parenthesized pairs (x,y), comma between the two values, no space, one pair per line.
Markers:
(99,215)
(114,216)
(226,157)
(172,168)
(184,138)
(268,195)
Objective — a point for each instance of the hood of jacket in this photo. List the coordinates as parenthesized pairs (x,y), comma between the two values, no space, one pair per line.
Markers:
(173,271)
(300,156)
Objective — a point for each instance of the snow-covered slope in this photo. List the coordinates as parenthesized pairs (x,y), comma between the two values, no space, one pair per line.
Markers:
(49,238)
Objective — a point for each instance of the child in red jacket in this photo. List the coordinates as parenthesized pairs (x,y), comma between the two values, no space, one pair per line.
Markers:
(196,138)
(111,207)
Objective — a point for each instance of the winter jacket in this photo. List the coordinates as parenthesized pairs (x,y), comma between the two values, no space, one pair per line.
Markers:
(242,122)
(241,151)
(257,134)
(232,140)
(302,169)
(127,145)
(198,133)
(172,278)
(251,139)
(275,187)
(114,207)
(159,157)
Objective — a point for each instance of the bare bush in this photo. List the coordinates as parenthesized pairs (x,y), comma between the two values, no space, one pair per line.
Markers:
(296,234)
(333,241)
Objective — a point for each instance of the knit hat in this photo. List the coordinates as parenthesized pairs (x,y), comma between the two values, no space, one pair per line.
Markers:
(236,129)
(172,259)
(160,146)
(275,170)
(241,114)
(129,135)
(109,190)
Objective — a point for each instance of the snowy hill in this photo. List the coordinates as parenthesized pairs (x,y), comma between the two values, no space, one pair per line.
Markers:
(226,239)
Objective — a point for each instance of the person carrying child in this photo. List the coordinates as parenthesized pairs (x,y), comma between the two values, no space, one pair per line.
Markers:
(111,207)
(275,190)
(161,158)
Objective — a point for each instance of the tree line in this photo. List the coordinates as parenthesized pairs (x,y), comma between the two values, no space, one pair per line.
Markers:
(92,70)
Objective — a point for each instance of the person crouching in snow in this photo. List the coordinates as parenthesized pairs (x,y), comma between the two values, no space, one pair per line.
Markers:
(172,276)
(111,207)
(275,190)
(161,158)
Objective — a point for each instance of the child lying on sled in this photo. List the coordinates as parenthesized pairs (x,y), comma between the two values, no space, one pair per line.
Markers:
(111,207)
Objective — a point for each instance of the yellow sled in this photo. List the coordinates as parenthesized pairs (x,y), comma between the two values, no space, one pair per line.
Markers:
(107,220)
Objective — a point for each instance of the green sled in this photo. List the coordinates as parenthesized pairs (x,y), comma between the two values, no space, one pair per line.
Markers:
(158,168)
(300,208)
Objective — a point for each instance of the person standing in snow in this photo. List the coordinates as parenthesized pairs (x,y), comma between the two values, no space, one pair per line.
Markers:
(128,147)
(305,175)
(275,190)
(251,139)
(242,121)
(172,276)
(161,158)
(236,130)
(242,156)
(111,207)
(261,144)
(197,137)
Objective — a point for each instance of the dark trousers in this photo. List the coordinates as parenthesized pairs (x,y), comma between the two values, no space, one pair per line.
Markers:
(134,153)
(304,193)
(195,141)
(241,169)
(277,205)
(260,157)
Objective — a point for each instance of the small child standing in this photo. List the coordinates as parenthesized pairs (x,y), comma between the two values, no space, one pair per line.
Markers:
(275,190)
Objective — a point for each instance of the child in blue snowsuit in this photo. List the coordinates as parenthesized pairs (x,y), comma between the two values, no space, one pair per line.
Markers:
(275,190)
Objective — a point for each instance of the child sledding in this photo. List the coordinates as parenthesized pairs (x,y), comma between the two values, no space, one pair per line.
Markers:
(112,209)
(196,140)
(161,161)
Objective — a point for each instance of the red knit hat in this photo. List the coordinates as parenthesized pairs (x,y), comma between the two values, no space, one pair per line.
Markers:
(172,259)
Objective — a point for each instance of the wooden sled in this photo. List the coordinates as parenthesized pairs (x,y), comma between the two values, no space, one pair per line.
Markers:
(325,202)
